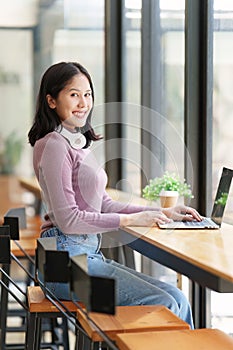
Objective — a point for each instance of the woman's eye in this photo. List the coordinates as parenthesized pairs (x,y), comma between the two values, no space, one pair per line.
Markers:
(75,94)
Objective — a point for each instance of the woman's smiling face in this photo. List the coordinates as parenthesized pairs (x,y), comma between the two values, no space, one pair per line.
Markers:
(74,102)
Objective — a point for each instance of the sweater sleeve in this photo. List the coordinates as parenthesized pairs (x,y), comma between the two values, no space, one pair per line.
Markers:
(54,171)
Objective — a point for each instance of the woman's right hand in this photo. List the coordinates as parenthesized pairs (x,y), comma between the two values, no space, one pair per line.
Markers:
(144,218)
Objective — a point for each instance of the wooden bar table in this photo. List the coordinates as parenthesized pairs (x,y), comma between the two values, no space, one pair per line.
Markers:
(11,194)
(30,184)
(204,256)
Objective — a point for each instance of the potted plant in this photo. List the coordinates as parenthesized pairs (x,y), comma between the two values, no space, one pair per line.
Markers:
(168,188)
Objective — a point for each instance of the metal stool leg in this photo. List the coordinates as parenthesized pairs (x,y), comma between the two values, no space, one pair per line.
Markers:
(4,307)
(30,333)
(65,333)
(37,333)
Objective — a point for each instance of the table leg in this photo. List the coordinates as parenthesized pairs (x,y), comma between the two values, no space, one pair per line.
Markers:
(201,305)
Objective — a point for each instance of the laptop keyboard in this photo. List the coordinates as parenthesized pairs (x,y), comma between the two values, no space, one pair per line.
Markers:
(204,223)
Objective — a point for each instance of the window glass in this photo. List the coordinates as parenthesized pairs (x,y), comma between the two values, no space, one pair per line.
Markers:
(131,124)
(221,310)
(16,89)
(171,87)
(172,63)
(222,96)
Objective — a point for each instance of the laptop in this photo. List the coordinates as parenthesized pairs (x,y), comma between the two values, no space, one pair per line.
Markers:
(215,221)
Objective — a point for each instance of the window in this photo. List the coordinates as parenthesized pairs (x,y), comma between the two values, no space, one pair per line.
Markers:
(221,310)
(16,90)
(222,93)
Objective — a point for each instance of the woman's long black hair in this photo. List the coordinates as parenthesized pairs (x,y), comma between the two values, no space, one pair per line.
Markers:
(53,81)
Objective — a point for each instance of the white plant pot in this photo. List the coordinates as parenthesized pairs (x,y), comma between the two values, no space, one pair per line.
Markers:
(168,198)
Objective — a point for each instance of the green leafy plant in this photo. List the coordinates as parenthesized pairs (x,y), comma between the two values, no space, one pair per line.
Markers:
(10,152)
(168,182)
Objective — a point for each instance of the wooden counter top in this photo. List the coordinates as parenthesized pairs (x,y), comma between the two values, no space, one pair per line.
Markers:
(210,250)
(30,184)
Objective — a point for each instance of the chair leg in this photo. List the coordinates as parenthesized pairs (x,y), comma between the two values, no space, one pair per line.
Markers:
(4,307)
(65,333)
(33,332)
(37,333)
(53,325)
(59,332)
(83,342)
(79,341)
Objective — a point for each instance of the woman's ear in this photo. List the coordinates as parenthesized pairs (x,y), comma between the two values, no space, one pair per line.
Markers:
(51,101)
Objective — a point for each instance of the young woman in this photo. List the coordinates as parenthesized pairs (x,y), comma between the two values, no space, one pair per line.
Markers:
(79,209)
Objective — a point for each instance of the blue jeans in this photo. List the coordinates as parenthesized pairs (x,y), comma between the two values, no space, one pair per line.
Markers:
(132,287)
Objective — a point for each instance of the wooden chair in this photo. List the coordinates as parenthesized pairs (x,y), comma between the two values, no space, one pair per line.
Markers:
(207,339)
(133,319)
(40,307)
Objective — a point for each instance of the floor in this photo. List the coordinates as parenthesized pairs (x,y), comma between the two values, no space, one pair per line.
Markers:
(18,338)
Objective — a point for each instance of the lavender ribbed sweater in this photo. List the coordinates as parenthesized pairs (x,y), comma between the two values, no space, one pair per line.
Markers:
(73,188)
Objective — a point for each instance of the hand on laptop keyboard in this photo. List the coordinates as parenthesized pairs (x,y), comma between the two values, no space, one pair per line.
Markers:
(182,213)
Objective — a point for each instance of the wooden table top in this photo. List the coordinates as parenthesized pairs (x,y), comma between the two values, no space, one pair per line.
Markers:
(210,250)
(30,184)
(11,193)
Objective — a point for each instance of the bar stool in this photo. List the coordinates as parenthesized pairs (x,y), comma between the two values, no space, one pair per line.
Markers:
(133,319)
(40,307)
(207,339)
(56,266)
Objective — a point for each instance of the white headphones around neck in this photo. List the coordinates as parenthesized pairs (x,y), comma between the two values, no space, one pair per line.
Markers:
(77,140)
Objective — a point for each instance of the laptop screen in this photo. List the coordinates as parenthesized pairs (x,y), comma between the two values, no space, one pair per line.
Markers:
(221,196)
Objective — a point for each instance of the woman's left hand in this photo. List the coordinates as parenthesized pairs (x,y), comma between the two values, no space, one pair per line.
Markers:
(182,213)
